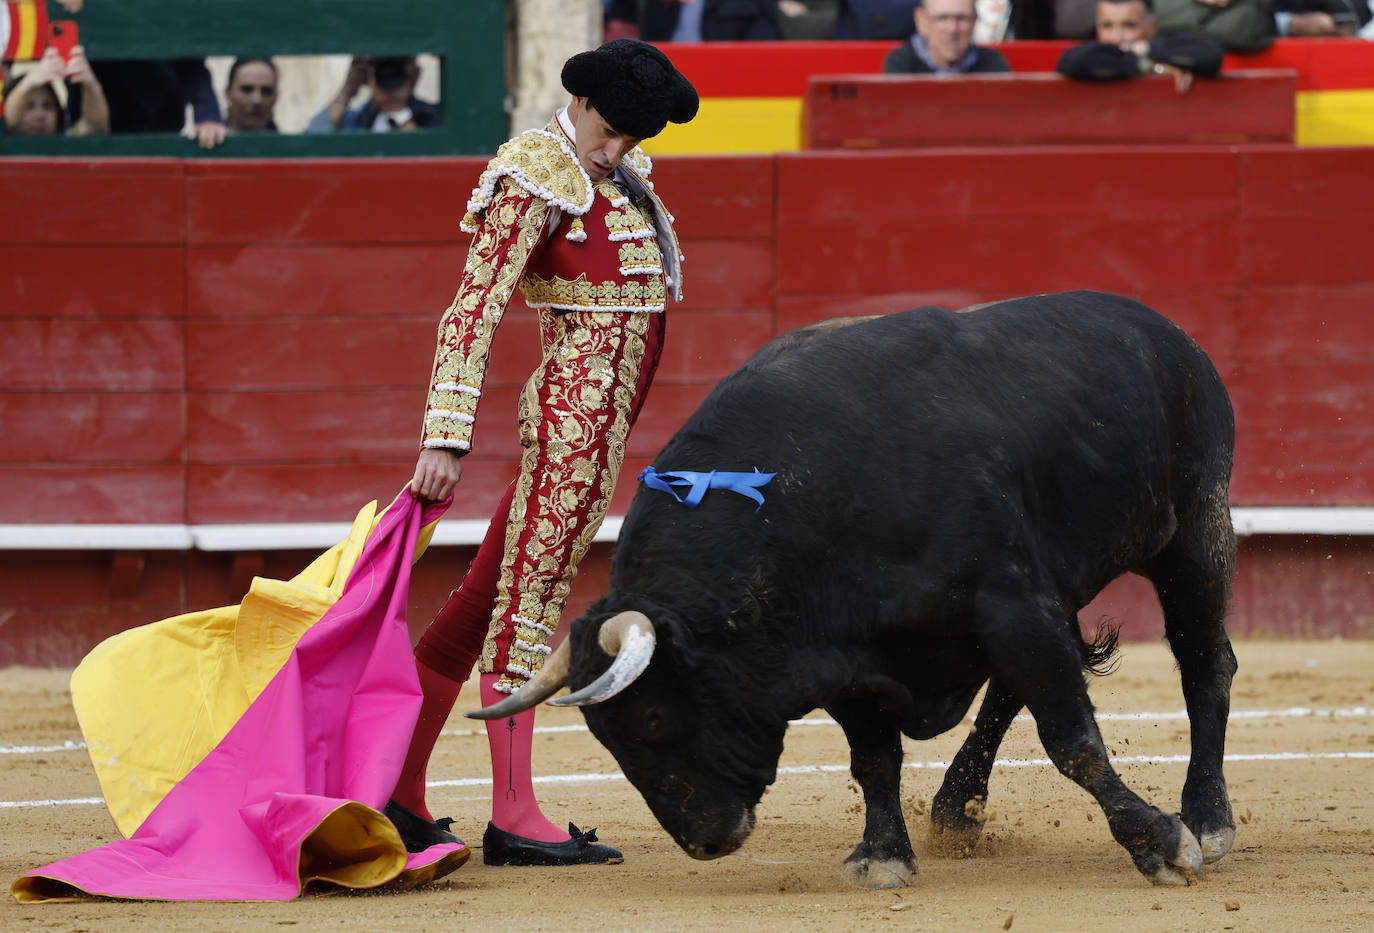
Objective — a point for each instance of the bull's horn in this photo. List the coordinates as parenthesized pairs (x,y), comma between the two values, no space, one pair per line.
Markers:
(550,679)
(629,638)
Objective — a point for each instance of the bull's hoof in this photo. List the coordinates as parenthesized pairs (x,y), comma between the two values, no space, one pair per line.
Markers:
(1183,866)
(876,874)
(954,840)
(1217,843)
(878,866)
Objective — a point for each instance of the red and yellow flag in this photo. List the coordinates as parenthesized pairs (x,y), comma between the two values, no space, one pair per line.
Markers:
(24,29)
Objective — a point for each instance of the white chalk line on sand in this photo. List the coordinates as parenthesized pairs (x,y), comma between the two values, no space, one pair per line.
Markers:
(596,778)
(591,778)
(1292,712)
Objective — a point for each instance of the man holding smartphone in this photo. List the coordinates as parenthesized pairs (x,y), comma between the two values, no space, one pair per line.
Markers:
(566,215)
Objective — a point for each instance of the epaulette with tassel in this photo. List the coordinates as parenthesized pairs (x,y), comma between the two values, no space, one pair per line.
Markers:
(541,162)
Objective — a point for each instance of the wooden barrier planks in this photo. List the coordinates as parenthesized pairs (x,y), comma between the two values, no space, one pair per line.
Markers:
(328,200)
(76,280)
(913,111)
(88,201)
(273,369)
(1009,221)
(277,359)
(1304,220)
(91,320)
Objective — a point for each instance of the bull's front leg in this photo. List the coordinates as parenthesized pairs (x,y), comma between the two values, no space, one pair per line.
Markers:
(884,859)
(955,824)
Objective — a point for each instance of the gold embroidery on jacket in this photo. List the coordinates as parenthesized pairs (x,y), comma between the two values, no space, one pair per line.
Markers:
(494,265)
(628,224)
(540,165)
(580,294)
(642,254)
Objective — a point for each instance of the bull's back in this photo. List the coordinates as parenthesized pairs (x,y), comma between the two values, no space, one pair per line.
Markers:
(1062,418)
(1023,378)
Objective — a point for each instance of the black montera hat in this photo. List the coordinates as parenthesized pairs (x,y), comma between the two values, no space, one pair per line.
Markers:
(632,85)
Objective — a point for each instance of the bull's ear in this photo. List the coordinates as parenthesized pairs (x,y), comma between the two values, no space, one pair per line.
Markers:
(628,638)
(548,681)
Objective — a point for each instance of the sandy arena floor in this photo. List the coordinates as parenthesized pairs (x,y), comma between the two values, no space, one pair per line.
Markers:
(1302,783)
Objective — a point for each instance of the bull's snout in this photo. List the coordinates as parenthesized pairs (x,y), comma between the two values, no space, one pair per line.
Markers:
(713,850)
(735,839)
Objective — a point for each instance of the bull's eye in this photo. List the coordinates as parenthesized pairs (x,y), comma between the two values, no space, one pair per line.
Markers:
(653,724)
(662,722)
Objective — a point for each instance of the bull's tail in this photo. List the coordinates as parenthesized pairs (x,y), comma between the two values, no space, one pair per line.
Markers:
(1099,655)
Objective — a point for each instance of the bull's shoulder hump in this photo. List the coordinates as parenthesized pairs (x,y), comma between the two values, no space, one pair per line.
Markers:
(875,329)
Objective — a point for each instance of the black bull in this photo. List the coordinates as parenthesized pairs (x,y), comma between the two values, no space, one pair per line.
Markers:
(951,489)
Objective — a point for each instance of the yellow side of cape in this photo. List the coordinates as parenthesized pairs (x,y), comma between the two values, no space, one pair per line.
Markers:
(155,700)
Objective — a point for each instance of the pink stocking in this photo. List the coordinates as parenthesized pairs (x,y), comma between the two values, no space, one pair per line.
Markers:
(440,693)
(513,806)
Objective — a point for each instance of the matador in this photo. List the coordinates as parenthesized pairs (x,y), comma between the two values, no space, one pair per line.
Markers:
(567,216)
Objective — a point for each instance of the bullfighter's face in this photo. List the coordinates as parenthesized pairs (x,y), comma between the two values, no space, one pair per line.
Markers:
(600,146)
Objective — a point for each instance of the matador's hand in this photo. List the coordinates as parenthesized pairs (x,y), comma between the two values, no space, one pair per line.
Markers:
(436,473)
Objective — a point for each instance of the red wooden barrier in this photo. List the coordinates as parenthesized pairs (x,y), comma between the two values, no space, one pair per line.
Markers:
(904,111)
(250,343)
(273,337)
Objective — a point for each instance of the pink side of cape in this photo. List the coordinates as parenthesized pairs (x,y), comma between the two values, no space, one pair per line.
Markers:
(329,732)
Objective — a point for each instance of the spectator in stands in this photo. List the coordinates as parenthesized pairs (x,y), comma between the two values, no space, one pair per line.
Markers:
(329,119)
(151,96)
(251,96)
(943,43)
(33,108)
(1069,19)
(1302,18)
(694,20)
(653,20)
(808,20)
(1127,47)
(392,106)
(1239,25)
(739,20)
(875,19)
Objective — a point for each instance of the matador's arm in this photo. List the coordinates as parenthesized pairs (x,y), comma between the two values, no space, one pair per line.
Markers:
(509,233)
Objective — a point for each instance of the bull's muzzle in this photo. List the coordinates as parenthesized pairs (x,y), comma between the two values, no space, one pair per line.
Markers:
(709,850)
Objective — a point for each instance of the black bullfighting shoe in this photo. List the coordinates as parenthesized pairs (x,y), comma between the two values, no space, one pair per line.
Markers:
(502,848)
(418,833)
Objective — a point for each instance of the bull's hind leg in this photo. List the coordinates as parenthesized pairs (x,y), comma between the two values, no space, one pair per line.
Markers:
(1035,656)
(1192,576)
(884,859)
(955,820)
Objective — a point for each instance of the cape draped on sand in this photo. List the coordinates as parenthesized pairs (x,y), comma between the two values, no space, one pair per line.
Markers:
(247,752)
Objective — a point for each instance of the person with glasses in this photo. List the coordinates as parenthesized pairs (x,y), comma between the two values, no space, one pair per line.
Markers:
(943,43)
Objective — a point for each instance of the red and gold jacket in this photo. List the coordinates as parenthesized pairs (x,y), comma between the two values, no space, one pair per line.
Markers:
(541,225)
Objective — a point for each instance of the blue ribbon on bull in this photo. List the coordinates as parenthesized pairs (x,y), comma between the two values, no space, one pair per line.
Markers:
(746,484)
